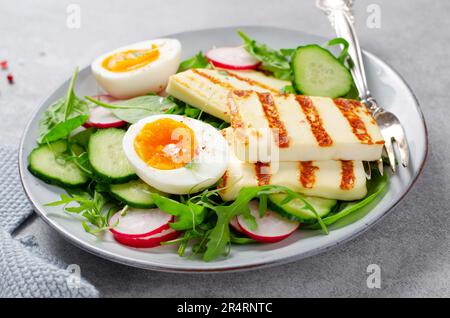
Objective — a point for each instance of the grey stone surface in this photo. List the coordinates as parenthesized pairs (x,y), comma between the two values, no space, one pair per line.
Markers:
(411,244)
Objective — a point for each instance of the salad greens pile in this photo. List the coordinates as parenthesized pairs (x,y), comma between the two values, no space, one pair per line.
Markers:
(204,217)
(275,61)
(63,116)
(282,64)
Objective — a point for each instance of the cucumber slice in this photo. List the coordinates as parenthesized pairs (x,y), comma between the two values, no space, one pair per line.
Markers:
(135,193)
(295,208)
(317,72)
(107,158)
(48,164)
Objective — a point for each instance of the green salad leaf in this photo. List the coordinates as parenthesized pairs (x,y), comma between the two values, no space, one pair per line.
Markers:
(64,128)
(288,89)
(344,53)
(219,237)
(89,207)
(59,112)
(272,60)
(134,109)
(197,61)
(241,240)
(188,215)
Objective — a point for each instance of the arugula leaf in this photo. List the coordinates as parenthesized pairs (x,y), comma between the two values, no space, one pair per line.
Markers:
(192,112)
(262,208)
(80,157)
(240,240)
(63,109)
(272,60)
(288,53)
(219,237)
(288,89)
(64,128)
(89,207)
(344,53)
(197,61)
(188,215)
(134,109)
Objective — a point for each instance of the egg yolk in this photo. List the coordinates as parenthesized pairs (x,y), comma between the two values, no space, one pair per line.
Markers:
(165,144)
(130,60)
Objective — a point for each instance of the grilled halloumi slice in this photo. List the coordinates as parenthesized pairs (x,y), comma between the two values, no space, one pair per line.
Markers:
(275,127)
(341,180)
(208,89)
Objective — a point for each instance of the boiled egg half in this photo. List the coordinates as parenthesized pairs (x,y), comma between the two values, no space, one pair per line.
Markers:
(137,69)
(176,154)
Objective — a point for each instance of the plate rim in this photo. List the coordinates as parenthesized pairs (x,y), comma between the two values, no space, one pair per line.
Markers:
(125,260)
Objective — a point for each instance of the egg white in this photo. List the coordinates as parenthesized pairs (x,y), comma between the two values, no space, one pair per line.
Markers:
(209,164)
(151,78)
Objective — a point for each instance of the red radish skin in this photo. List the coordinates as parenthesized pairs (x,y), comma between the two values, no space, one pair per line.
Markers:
(101,117)
(154,240)
(139,223)
(271,228)
(232,58)
(235,225)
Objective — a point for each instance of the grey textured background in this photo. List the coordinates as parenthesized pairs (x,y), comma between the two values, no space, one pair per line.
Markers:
(411,245)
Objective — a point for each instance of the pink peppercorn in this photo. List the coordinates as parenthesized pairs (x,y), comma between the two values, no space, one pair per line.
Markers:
(10,78)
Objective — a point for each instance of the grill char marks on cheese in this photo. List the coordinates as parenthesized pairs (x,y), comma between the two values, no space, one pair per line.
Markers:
(273,119)
(253,82)
(307,172)
(226,85)
(314,120)
(224,181)
(347,175)
(348,109)
(236,117)
(262,173)
(213,79)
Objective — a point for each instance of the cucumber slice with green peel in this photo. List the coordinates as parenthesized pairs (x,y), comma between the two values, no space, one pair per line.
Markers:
(107,157)
(135,193)
(317,72)
(295,209)
(48,163)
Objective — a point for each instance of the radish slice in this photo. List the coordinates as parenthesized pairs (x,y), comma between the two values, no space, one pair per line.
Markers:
(233,58)
(100,117)
(149,241)
(235,225)
(271,228)
(139,222)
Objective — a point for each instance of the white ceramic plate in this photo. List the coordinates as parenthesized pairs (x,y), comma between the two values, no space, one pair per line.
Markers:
(386,85)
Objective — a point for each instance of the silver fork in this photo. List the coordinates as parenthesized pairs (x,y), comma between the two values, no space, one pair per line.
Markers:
(341,18)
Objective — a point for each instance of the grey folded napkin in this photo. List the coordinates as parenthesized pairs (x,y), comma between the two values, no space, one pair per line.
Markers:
(25,269)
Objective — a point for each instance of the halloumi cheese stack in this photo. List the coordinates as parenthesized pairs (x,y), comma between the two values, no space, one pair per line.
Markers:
(341,180)
(287,127)
(208,89)
(313,145)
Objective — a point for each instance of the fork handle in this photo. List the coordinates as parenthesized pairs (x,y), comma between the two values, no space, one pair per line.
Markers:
(342,21)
